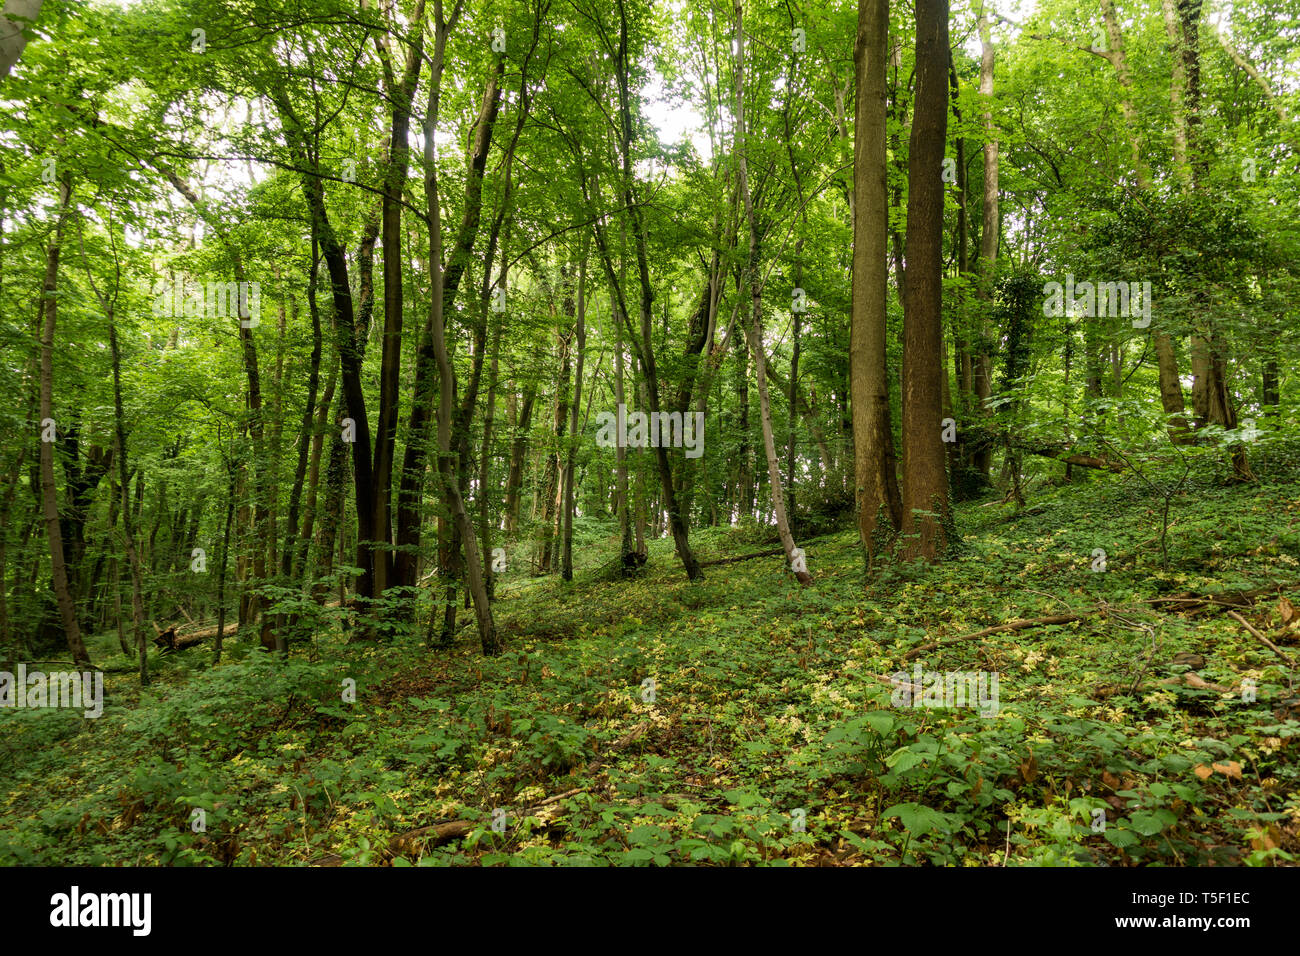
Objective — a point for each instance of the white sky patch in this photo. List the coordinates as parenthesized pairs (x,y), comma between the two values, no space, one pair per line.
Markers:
(676,119)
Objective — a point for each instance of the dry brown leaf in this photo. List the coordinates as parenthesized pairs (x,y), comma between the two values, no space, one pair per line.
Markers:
(1287,610)
(1230,769)
(1029,769)
(1269,839)
(1202,771)
(1193,679)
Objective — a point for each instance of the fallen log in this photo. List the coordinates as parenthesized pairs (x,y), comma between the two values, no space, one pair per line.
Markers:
(441,833)
(1066,455)
(170,640)
(771,552)
(1199,603)
(1017,625)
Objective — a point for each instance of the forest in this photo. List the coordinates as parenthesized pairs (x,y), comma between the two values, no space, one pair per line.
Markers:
(634,433)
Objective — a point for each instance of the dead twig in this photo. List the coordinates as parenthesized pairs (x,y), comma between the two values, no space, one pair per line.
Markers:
(1017,625)
(1255,633)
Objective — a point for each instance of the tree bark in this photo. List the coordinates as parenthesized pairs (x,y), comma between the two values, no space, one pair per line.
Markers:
(755,329)
(447,465)
(49,490)
(409,526)
(925,484)
(879,506)
(990,229)
(566,564)
(400,90)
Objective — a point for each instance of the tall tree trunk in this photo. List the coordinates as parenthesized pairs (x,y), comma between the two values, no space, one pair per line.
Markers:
(623,507)
(1171,389)
(566,565)
(552,489)
(12,38)
(290,552)
(518,458)
(313,473)
(350,336)
(642,345)
(744,459)
(128,529)
(485,466)
(448,282)
(755,329)
(925,485)
(400,91)
(1211,395)
(447,466)
(49,491)
(990,230)
(879,507)
(221,570)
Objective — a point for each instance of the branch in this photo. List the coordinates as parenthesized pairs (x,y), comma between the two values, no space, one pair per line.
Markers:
(1254,632)
(1018,625)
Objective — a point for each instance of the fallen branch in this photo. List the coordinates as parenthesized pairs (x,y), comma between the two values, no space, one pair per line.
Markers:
(771,552)
(631,737)
(1066,455)
(1193,679)
(41,660)
(1239,599)
(1017,625)
(441,833)
(435,835)
(670,799)
(1255,633)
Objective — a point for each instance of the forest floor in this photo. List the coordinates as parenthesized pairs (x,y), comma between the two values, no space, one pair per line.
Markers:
(744,719)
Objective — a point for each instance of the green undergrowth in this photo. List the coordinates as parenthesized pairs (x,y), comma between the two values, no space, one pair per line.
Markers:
(742,719)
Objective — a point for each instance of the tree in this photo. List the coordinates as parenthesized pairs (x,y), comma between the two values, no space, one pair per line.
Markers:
(925,482)
(49,490)
(879,507)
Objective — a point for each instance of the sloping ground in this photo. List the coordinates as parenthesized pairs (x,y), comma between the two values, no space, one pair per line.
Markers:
(744,719)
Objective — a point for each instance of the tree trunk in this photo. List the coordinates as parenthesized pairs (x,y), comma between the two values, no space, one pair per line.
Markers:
(400,90)
(879,507)
(623,507)
(350,336)
(990,230)
(518,458)
(447,466)
(221,571)
(566,568)
(925,485)
(755,329)
(447,283)
(49,491)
